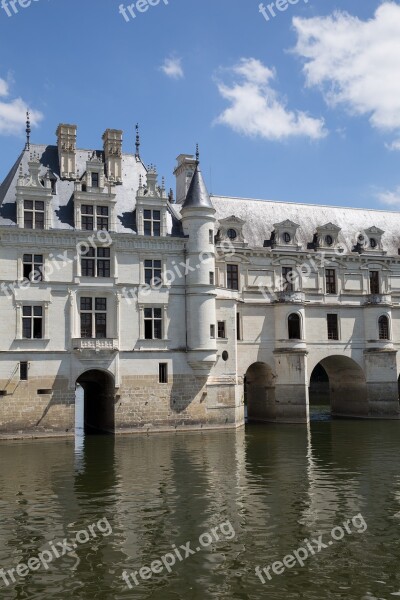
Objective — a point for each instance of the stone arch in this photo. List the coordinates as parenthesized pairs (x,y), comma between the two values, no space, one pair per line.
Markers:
(259,389)
(344,386)
(99,401)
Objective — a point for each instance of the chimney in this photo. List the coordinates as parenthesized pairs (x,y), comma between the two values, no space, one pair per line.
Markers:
(112,144)
(66,142)
(184,172)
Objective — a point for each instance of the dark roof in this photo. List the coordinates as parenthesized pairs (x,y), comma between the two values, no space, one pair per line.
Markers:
(63,209)
(197,196)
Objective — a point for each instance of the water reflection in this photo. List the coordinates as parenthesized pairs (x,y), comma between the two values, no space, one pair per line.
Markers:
(277,485)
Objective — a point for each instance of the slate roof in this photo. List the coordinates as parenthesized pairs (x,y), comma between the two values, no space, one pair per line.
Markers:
(63,217)
(259,215)
(197,196)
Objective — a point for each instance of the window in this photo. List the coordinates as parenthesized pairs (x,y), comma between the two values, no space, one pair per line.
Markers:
(232,235)
(221,329)
(152,272)
(238,327)
(211,236)
(333,329)
(212,332)
(23,371)
(91,215)
(152,223)
(163,373)
(294,328)
(374,282)
(32,267)
(32,322)
(286,237)
(330,281)
(93,313)
(232,277)
(95,180)
(373,243)
(96,262)
(329,240)
(383,324)
(33,214)
(212,278)
(287,279)
(152,324)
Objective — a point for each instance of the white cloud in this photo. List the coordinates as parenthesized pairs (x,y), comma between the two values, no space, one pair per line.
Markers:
(172,67)
(390,198)
(13,112)
(256,110)
(355,63)
(395,145)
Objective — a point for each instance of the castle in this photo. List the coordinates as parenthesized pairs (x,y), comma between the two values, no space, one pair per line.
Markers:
(171,314)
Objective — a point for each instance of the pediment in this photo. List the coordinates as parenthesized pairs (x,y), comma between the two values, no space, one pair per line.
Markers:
(232,219)
(286,224)
(328,227)
(374,230)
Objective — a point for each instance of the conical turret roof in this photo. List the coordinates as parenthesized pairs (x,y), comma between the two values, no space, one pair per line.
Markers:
(197,196)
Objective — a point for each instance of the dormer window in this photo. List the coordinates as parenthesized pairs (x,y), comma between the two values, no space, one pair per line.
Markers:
(33,214)
(287,237)
(232,235)
(329,240)
(152,222)
(94,217)
(373,243)
(327,236)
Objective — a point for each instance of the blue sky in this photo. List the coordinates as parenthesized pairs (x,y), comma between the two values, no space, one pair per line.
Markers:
(302,107)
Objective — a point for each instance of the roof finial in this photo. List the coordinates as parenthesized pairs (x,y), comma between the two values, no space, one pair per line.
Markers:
(137,155)
(197,154)
(28,131)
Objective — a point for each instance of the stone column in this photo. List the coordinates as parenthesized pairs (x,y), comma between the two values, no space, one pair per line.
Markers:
(382,387)
(291,386)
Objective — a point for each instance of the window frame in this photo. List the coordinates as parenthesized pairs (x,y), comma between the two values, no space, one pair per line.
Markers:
(152,225)
(156,272)
(93,311)
(374,282)
(35,212)
(287,286)
(36,266)
(93,256)
(331,333)
(221,330)
(295,328)
(155,323)
(330,281)
(385,329)
(232,276)
(163,373)
(32,319)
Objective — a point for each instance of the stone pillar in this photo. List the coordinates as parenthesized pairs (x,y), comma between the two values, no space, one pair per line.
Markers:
(381,377)
(291,386)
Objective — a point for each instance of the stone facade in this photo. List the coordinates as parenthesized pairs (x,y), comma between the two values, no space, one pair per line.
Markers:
(173,315)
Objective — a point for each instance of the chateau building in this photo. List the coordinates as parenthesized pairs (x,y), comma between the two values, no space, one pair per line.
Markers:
(172,314)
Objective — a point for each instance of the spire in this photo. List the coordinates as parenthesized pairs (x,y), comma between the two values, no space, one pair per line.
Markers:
(28,131)
(197,196)
(197,154)
(137,155)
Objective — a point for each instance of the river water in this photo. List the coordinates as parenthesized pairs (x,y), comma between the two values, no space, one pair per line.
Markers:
(264,489)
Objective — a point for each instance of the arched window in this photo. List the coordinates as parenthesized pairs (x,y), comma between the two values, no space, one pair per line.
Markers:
(383,324)
(294,327)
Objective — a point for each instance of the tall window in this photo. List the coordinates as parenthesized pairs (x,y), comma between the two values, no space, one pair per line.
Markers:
(333,328)
(96,262)
(238,327)
(330,281)
(212,332)
(294,327)
(33,266)
(94,215)
(32,322)
(152,272)
(152,223)
(93,312)
(23,371)
(221,329)
(232,277)
(153,323)
(163,373)
(374,282)
(211,236)
(33,214)
(383,324)
(287,279)
(95,180)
